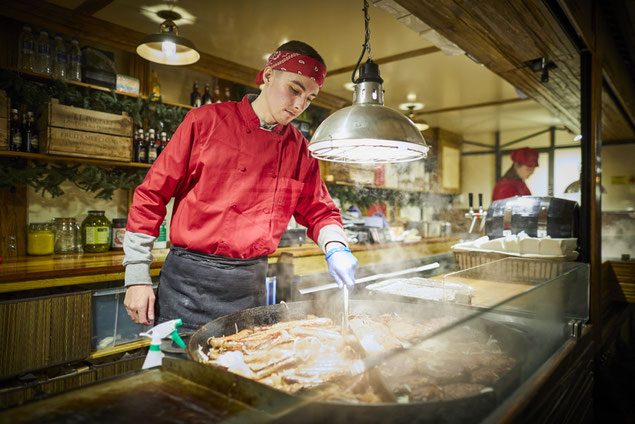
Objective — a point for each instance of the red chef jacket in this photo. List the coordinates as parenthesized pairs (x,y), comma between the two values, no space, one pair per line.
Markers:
(510,187)
(235,185)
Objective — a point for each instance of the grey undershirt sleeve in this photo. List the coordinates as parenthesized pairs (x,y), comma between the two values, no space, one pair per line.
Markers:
(330,233)
(137,249)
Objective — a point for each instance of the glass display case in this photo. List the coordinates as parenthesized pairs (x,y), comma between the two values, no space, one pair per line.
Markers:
(433,360)
(425,361)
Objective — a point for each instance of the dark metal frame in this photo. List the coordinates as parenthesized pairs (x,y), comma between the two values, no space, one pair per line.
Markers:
(499,151)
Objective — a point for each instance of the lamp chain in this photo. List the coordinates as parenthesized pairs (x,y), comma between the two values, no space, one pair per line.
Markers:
(366,45)
(367,26)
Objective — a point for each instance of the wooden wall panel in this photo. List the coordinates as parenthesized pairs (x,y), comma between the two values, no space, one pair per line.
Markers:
(42,332)
(13,216)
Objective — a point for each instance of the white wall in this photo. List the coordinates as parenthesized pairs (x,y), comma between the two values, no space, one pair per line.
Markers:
(478,176)
(618,161)
(74,203)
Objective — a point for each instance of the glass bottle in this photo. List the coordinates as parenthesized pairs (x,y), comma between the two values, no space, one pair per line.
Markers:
(26,133)
(163,141)
(207,96)
(195,96)
(43,54)
(96,232)
(155,86)
(216,96)
(35,133)
(152,146)
(137,145)
(26,49)
(40,239)
(145,147)
(65,235)
(59,58)
(162,240)
(118,233)
(16,132)
(228,94)
(74,61)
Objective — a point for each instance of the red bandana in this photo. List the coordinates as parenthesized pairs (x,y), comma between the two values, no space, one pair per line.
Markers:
(296,63)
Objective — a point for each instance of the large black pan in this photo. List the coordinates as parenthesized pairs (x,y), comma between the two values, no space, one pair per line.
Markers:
(467,409)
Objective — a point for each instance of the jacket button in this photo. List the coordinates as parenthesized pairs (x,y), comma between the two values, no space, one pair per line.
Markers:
(248,131)
(266,210)
(243,169)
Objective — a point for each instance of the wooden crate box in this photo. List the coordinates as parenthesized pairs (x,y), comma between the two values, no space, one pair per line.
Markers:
(352,173)
(71,131)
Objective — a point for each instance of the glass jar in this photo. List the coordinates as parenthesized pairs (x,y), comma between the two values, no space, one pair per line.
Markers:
(40,239)
(96,232)
(118,232)
(66,235)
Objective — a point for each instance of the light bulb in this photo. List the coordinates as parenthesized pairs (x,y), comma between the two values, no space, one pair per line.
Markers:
(169,48)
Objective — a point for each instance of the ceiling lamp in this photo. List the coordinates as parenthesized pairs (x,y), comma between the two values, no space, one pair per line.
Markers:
(411,106)
(167,47)
(368,131)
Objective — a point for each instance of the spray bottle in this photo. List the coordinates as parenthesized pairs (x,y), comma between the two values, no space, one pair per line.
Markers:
(158,333)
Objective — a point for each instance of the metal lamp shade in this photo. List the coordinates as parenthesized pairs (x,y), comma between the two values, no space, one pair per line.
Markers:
(368,133)
(151,49)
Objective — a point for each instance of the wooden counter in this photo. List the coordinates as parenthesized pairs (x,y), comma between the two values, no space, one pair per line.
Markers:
(35,272)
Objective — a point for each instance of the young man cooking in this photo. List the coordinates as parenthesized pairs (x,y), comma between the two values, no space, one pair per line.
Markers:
(238,171)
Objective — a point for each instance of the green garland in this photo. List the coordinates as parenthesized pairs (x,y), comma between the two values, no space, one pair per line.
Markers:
(147,112)
(47,178)
(362,196)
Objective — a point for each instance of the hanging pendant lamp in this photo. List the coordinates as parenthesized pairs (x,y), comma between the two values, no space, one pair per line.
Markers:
(168,47)
(368,131)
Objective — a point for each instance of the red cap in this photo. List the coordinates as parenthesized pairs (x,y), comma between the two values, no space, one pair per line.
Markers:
(525,156)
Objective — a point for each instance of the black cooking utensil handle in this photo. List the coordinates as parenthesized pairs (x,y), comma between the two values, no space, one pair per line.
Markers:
(480,200)
(471,197)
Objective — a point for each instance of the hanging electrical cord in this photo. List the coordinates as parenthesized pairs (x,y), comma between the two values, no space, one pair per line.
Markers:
(367,131)
(366,45)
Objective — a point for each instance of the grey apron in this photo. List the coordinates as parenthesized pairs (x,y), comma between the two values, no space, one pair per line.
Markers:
(199,287)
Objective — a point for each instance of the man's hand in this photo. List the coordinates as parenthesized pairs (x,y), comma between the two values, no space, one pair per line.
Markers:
(342,265)
(139,303)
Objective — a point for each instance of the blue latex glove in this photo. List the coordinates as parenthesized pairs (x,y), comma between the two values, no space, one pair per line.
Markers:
(342,265)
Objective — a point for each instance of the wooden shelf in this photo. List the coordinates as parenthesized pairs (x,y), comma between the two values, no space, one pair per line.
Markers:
(410,190)
(52,158)
(34,75)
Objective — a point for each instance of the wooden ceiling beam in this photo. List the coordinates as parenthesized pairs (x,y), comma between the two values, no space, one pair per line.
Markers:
(388,59)
(472,106)
(90,7)
(60,19)
(504,36)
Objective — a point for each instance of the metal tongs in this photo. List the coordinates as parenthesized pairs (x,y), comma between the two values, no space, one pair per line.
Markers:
(345,315)
(427,267)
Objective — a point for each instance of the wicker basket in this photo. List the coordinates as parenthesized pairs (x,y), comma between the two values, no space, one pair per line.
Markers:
(465,259)
(515,269)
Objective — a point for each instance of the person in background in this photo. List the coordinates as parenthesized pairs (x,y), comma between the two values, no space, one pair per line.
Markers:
(238,171)
(513,182)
